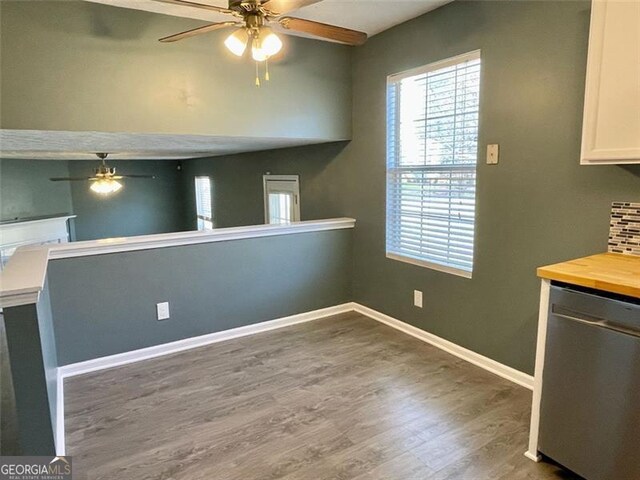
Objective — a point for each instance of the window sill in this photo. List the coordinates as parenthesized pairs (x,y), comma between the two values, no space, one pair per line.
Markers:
(430,265)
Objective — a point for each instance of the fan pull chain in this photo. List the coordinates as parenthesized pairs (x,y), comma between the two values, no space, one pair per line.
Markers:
(257,75)
(266,66)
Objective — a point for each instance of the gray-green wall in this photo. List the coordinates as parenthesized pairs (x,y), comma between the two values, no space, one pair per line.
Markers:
(81,66)
(34,363)
(167,203)
(141,207)
(538,206)
(106,304)
(237,190)
(25,189)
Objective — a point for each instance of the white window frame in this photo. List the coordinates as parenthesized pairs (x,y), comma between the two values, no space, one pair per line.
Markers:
(395,78)
(201,218)
(295,181)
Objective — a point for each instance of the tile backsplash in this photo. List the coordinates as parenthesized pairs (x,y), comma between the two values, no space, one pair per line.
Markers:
(624,234)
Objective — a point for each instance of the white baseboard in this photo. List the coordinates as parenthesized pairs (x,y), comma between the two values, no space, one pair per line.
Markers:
(470,356)
(532,456)
(59,433)
(120,359)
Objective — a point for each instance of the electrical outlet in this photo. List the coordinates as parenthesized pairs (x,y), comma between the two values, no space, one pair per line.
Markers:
(492,154)
(417,298)
(163,310)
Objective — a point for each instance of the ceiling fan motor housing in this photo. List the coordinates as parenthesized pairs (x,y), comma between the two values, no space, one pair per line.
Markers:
(104,171)
(244,5)
(254,21)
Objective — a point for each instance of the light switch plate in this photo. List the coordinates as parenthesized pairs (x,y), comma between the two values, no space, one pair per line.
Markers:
(162,310)
(493,151)
(417,298)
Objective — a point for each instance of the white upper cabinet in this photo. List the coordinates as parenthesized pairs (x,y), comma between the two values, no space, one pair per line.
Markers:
(611,126)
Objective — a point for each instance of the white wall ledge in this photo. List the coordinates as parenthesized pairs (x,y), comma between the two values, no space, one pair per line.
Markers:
(45,219)
(23,278)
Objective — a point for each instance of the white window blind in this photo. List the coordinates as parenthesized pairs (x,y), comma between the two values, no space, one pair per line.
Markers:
(432,150)
(280,207)
(203,203)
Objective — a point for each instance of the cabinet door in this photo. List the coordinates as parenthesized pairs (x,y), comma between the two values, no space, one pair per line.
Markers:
(611,127)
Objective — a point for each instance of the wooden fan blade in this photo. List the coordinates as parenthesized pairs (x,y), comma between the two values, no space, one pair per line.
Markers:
(71,179)
(187,3)
(197,31)
(331,32)
(280,7)
(136,176)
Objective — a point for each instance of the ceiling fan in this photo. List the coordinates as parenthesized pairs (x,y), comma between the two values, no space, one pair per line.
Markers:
(252,20)
(105,180)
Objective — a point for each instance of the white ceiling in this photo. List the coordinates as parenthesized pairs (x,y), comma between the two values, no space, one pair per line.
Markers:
(57,145)
(370,16)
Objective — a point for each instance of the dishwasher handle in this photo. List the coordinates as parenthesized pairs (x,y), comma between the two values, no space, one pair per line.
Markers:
(578,317)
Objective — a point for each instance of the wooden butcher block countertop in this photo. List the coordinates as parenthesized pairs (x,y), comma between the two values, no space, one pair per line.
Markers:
(611,272)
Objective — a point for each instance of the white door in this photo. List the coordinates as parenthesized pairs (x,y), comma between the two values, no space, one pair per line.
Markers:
(281,199)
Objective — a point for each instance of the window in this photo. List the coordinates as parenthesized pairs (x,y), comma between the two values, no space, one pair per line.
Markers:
(281,199)
(280,207)
(203,203)
(432,150)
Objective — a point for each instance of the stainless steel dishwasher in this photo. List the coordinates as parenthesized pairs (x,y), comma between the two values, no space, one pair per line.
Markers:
(590,412)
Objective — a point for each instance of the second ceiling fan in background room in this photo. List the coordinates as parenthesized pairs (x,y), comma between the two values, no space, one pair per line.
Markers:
(104,181)
(252,22)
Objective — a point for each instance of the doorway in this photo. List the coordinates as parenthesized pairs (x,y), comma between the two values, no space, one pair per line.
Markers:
(281,199)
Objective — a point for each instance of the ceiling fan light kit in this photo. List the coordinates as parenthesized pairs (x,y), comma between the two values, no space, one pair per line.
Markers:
(236,43)
(269,42)
(253,19)
(264,44)
(105,181)
(105,186)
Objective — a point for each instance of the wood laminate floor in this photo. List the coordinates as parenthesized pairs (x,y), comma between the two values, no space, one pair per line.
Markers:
(339,398)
